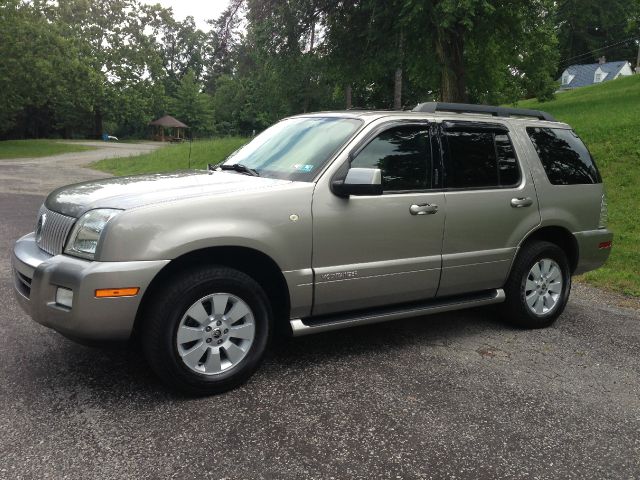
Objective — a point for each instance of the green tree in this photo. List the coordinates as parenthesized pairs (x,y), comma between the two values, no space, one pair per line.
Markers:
(46,86)
(112,39)
(493,39)
(191,106)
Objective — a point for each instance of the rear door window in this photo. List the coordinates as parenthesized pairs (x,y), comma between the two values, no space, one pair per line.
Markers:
(480,158)
(564,157)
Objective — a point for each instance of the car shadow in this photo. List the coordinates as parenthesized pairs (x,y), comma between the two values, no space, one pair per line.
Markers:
(398,334)
(121,373)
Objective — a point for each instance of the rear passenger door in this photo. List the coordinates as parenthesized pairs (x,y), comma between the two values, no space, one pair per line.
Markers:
(491,205)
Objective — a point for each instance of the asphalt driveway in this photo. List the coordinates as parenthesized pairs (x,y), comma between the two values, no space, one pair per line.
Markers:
(43,174)
(457,395)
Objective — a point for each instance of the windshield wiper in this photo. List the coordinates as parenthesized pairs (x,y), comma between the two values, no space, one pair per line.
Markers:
(238,167)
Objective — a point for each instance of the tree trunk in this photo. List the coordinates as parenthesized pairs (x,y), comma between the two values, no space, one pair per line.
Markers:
(347,94)
(397,90)
(307,88)
(97,124)
(397,87)
(450,53)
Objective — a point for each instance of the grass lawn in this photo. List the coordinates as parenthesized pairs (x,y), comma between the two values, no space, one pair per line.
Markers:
(37,148)
(607,117)
(173,157)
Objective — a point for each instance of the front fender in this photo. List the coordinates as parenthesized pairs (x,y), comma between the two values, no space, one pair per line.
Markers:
(277,223)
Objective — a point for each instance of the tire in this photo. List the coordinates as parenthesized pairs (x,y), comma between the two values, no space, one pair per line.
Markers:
(218,311)
(531,300)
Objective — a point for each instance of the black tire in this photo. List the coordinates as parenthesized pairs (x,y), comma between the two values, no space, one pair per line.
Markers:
(164,313)
(515,309)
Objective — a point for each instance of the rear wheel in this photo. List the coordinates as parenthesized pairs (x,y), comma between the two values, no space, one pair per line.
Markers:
(208,331)
(538,287)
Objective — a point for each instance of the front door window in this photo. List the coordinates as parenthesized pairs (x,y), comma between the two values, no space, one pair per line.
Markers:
(403,154)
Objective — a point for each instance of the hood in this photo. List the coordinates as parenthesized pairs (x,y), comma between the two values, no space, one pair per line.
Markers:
(140,190)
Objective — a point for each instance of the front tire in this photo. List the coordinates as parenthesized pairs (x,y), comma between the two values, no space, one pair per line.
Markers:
(208,331)
(538,287)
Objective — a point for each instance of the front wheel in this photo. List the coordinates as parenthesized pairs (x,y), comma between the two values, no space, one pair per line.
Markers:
(538,287)
(208,331)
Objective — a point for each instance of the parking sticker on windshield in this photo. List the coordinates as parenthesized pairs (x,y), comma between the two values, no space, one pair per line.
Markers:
(303,168)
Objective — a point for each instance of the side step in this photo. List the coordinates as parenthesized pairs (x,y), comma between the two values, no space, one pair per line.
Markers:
(307,326)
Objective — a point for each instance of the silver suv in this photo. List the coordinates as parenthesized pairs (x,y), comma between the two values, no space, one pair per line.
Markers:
(324,221)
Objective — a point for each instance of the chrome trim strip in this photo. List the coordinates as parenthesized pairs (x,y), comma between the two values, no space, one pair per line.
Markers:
(299,328)
(359,271)
(462,259)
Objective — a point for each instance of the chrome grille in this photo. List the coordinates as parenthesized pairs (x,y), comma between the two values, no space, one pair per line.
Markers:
(52,229)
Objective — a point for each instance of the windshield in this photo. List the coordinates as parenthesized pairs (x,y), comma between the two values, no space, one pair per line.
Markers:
(295,149)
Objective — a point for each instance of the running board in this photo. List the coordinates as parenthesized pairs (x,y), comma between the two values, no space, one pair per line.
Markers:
(308,326)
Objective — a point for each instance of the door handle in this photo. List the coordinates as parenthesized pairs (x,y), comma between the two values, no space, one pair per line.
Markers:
(521,202)
(423,209)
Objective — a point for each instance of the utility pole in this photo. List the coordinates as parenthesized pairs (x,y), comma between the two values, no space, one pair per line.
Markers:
(638,59)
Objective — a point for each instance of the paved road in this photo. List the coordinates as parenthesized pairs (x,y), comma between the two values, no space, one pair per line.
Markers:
(458,395)
(43,174)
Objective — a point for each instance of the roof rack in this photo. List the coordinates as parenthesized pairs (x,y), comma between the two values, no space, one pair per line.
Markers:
(433,107)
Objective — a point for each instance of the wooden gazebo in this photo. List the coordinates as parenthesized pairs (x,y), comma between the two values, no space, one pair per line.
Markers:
(169,129)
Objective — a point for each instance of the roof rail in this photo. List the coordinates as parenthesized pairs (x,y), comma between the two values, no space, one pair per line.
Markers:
(433,107)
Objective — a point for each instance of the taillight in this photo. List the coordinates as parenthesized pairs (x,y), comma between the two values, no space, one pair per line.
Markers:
(604,213)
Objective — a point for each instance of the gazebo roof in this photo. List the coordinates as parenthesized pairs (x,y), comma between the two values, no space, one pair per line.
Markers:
(168,122)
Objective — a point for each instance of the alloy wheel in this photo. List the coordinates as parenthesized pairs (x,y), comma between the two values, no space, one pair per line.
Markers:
(215,334)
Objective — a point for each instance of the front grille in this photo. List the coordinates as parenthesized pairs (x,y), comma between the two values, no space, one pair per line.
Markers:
(52,229)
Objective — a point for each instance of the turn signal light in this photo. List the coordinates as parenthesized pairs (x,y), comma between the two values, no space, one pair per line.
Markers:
(117,292)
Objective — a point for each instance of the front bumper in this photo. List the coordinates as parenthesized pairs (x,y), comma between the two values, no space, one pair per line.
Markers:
(591,255)
(37,276)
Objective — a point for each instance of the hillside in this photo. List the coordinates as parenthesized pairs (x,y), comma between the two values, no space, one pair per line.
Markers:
(607,117)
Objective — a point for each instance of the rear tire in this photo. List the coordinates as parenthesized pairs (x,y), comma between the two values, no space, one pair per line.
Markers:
(208,331)
(538,287)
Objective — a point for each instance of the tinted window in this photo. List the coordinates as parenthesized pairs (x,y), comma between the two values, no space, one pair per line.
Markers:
(403,154)
(480,159)
(508,171)
(564,157)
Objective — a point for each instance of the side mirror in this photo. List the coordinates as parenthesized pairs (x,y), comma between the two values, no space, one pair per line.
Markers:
(359,181)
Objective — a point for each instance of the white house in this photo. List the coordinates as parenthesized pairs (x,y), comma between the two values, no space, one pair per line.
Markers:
(582,75)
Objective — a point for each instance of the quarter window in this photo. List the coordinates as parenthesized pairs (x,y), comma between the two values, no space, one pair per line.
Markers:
(403,154)
(480,159)
(564,157)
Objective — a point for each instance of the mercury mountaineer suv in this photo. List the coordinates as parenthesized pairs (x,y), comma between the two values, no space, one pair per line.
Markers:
(323,221)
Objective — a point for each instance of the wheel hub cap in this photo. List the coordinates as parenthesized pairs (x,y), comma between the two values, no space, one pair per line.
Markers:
(543,286)
(215,334)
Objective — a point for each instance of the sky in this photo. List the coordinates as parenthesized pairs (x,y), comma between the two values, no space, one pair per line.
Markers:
(200,10)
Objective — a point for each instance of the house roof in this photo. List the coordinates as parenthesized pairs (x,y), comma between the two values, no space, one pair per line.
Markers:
(584,74)
(168,122)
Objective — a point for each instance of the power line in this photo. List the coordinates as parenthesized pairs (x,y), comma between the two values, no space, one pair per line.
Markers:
(598,49)
(566,60)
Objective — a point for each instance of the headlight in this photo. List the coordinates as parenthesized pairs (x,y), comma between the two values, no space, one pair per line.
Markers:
(85,235)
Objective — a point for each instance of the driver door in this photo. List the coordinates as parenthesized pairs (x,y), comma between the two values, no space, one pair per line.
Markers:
(370,251)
